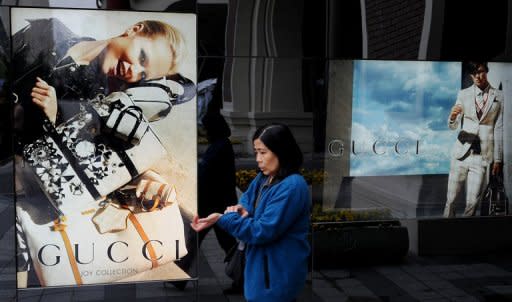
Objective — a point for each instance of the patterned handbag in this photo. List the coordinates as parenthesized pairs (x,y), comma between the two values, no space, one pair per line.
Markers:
(78,167)
(82,165)
(77,162)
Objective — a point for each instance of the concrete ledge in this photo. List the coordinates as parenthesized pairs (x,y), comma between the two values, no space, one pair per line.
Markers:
(336,245)
(459,236)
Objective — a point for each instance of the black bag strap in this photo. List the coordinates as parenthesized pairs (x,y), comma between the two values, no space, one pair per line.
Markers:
(496,180)
(189,88)
(130,166)
(134,111)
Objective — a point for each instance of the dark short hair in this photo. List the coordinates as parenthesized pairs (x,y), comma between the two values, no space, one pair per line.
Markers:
(279,139)
(472,66)
(216,126)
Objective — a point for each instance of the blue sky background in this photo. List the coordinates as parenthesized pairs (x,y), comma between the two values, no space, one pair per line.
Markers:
(407,101)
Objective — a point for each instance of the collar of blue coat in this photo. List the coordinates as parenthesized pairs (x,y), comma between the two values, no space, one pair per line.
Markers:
(265,180)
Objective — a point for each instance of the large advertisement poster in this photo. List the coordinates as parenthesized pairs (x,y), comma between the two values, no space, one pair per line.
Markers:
(419,138)
(105,134)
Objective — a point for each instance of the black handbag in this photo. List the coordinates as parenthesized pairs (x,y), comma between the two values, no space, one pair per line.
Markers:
(235,263)
(235,258)
(494,199)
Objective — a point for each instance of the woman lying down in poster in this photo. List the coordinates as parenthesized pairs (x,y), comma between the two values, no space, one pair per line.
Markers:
(99,198)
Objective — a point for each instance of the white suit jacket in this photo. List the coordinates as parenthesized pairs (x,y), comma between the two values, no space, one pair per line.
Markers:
(489,127)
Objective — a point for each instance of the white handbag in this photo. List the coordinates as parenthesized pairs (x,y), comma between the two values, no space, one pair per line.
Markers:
(80,249)
(127,124)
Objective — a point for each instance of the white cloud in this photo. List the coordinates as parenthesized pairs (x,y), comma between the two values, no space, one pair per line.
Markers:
(395,103)
(411,75)
(433,158)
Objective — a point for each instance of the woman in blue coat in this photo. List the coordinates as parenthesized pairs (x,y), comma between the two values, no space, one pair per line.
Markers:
(272,219)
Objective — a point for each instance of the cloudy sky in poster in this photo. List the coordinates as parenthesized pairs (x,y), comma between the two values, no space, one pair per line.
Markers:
(402,104)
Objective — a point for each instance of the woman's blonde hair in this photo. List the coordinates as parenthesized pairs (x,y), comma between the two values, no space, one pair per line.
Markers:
(152,28)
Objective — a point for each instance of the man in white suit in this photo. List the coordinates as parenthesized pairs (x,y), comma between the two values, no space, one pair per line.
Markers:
(479,146)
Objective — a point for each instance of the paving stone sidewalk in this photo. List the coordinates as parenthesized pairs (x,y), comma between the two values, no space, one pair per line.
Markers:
(470,278)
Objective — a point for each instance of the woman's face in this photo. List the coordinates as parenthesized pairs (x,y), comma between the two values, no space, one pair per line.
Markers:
(266,159)
(133,57)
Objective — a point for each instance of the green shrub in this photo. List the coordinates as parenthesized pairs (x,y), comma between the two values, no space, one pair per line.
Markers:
(320,216)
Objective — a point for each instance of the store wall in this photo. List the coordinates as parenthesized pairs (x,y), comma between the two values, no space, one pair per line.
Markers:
(292,62)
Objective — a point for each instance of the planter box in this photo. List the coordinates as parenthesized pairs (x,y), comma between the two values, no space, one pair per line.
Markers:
(337,245)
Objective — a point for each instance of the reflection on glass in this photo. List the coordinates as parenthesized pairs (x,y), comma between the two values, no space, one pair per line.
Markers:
(389,147)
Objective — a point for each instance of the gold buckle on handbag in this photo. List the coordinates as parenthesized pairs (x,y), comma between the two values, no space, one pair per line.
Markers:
(149,205)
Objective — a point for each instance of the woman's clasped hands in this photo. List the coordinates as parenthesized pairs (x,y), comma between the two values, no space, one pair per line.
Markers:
(199,224)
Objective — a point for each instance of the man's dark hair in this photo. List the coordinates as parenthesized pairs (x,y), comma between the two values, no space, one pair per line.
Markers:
(216,126)
(279,139)
(472,66)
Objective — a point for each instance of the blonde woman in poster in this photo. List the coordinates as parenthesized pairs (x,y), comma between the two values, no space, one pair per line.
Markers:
(100,186)
(81,68)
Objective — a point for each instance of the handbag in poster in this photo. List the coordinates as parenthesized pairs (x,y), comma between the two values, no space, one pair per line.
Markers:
(108,241)
(77,162)
(78,166)
(103,193)
(494,198)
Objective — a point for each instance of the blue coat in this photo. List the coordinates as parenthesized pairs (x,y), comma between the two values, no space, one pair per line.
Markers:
(275,234)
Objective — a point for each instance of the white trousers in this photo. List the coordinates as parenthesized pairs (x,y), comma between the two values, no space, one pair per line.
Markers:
(472,171)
